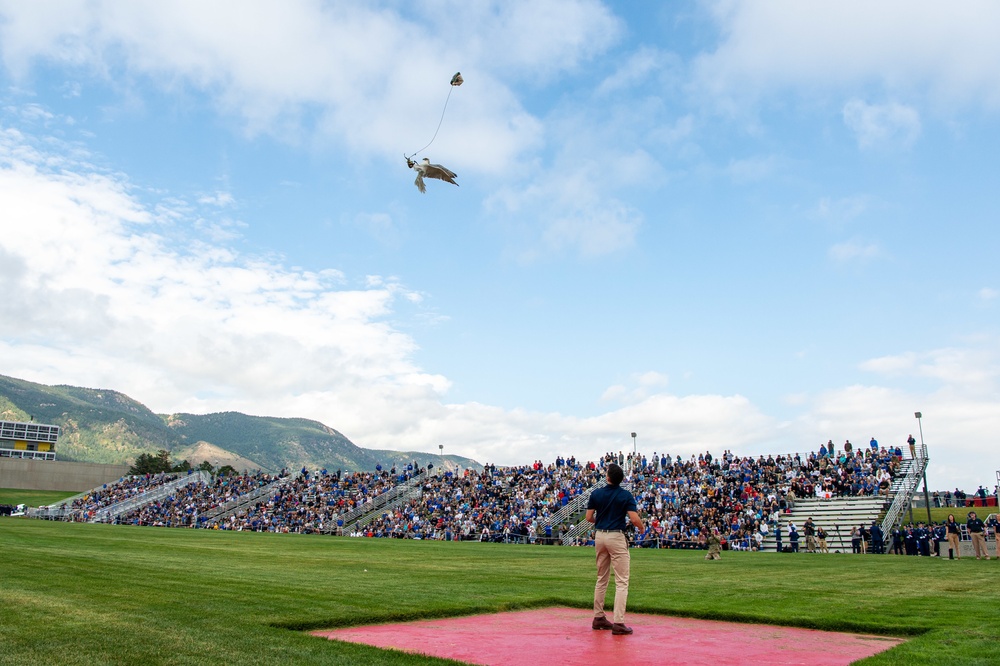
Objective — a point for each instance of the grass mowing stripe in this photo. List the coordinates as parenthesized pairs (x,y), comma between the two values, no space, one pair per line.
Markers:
(98,594)
(15,496)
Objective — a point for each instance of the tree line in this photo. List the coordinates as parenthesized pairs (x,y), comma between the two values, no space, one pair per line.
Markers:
(158,463)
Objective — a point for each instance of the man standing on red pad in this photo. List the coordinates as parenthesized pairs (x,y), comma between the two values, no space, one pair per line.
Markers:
(609,508)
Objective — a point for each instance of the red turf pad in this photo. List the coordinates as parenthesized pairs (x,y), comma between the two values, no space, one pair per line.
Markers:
(564,636)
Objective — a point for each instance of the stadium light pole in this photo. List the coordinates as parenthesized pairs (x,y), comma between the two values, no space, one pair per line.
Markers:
(441,449)
(633,446)
(923,454)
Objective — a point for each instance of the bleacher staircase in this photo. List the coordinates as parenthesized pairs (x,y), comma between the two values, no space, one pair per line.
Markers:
(838,515)
(580,502)
(368,511)
(242,502)
(109,513)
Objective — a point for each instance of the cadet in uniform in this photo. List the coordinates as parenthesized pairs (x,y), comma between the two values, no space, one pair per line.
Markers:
(714,545)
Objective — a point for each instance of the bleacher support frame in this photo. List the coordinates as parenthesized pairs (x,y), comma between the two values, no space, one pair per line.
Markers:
(236,504)
(109,513)
(371,509)
(583,526)
(903,495)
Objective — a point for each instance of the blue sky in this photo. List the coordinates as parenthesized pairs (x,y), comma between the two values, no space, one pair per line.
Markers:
(754,226)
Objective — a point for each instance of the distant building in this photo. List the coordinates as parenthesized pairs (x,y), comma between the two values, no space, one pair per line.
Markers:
(32,441)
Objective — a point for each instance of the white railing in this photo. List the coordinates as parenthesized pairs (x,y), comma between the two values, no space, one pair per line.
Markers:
(905,490)
(583,525)
(109,513)
(406,494)
(382,501)
(576,503)
(240,502)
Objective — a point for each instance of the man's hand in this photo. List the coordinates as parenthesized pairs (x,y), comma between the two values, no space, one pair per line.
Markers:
(634,518)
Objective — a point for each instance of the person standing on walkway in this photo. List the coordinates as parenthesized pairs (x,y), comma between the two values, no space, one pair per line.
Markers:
(954,535)
(809,529)
(994,523)
(821,538)
(977,530)
(609,508)
(878,538)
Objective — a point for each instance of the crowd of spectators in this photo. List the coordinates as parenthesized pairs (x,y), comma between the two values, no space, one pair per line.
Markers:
(497,504)
(185,506)
(684,499)
(307,503)
(742,496)
(315,502)
(85,508)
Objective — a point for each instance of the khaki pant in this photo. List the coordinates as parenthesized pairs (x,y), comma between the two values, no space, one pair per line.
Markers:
(979,545)
(612,553)
(953,544)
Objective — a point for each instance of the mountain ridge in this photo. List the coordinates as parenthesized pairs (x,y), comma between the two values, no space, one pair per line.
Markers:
(108,426)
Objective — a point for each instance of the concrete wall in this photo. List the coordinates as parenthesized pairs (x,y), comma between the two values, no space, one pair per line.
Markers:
(56,475)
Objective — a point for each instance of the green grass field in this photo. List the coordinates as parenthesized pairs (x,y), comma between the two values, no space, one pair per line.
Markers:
(99,594)
(36,498)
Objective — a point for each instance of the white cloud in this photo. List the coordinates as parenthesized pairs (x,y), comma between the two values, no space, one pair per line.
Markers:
(954,427)
(646,71)
(843,209)
(111,303)
(891,365)
(576,214)
(672,133)
(882,124)
(752,169)
(118,300)
(359,75)
(96,296)
(218,198)
(987,294)
(854,251)
(641,387)
(973,369)
(946,53)
(580,198)
(595,231)
(380,226)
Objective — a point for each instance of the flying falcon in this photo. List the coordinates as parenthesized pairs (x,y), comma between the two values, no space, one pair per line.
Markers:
(424,168)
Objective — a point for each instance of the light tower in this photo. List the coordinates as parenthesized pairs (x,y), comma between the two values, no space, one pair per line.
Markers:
(923,456)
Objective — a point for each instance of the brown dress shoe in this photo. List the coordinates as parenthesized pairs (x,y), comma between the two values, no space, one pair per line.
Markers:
(601,623)
(620,629)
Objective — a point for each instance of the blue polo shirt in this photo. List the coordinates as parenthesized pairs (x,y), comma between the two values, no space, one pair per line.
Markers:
(611,504)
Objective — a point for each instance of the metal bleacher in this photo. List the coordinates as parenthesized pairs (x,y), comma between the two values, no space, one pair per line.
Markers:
(835,515)
(838,515)
(579,505)
(109,513)
(372,508)
(241,502)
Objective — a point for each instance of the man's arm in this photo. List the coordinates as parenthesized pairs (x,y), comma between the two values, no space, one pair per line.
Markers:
(633,516)
(590,516)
